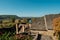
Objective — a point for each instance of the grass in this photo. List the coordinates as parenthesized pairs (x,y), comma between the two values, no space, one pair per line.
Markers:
(6,36)
(11,36)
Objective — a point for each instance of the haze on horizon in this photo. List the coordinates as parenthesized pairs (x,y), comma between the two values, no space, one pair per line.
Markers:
(29,8)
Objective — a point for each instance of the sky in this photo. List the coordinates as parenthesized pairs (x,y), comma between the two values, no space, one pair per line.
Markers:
(29,8)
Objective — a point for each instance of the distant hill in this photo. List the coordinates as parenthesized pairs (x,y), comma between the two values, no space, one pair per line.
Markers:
(8,17)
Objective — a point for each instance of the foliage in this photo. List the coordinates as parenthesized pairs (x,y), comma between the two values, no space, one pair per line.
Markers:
(56,24)
(17,21)
(26,37)
(6,36)
(11,36)
(24,20)
(56,27)
(8,16)
(7,25)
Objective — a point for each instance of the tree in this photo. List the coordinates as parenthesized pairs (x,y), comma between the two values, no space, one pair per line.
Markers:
(56,26)
(24,20)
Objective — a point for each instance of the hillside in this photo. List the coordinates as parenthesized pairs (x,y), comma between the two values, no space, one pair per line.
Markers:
(8,16)
(37,22)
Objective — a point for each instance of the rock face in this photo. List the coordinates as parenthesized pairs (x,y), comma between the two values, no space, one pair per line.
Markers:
(39,22)
(49,19)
